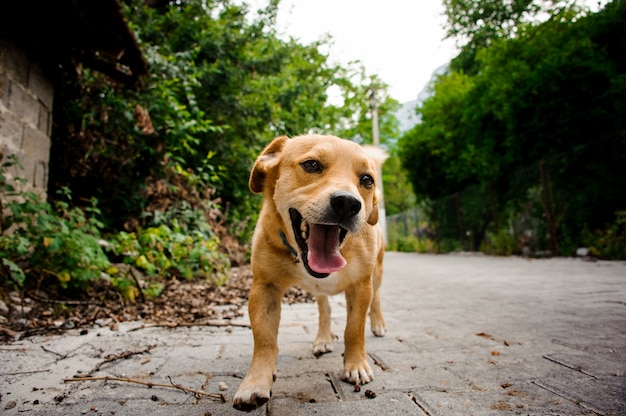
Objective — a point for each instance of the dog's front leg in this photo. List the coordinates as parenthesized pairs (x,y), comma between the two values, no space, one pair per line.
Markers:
(264,309)
(356,369)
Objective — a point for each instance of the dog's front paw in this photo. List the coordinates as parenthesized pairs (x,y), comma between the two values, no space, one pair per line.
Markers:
(358,373)
(253,392)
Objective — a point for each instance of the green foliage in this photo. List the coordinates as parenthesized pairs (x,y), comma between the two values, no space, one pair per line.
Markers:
(611,242)
(397,189)
(502,243)
(478,24)
(436,145)
(535,121)
(359,91)
(407,244)
(412,244)
(175,250)
(62,247)
(408,232)
(222,84)
(60,243)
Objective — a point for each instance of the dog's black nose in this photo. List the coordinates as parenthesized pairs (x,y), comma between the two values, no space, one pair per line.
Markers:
(344,204)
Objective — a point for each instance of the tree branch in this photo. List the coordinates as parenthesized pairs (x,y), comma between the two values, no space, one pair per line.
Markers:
(197,393)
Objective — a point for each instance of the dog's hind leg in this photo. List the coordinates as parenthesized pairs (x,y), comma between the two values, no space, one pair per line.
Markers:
(377,320)
(325,338)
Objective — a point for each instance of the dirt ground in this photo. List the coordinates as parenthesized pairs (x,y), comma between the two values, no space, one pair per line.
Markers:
(181,303)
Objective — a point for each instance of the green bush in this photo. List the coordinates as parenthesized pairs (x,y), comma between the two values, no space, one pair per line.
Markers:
(177,242)
(61,243)
(502,243)
(407,244)
(62,246)
(611,242)
(165,251)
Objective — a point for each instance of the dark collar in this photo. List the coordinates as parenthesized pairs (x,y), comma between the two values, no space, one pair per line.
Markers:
(291,249)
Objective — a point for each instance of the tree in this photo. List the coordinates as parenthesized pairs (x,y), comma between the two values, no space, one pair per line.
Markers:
(436,145)
(536,130)
(222,84)
(476,24)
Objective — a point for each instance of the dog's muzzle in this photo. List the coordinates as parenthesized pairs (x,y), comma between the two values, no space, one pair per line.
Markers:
(319,240)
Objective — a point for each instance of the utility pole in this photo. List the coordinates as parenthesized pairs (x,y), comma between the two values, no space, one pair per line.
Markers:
(382,214)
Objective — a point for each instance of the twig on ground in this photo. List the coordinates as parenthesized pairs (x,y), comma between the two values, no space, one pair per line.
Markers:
(198,393)
(191,324)
(62,356)
(17,373)
(9,332)
(122,356)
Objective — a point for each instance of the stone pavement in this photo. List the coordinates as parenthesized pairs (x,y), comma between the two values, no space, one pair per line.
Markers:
(467,335)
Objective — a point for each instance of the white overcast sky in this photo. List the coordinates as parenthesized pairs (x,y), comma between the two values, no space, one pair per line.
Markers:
(400,40)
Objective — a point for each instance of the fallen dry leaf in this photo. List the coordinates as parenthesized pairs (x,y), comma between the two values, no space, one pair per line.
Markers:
(182,302)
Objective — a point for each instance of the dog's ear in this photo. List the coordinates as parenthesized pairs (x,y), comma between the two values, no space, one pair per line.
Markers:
(378,156)
(373,218)
(265,164)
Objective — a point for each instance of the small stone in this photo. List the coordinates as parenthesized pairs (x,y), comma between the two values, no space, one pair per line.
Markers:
(223,386)
(4,309)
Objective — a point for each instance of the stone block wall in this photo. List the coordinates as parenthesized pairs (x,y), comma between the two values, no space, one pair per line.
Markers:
(26,97)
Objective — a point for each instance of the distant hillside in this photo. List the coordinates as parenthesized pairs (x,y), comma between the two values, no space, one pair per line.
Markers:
(406,114)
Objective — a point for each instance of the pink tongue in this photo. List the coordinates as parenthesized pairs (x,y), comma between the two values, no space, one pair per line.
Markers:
(324,256)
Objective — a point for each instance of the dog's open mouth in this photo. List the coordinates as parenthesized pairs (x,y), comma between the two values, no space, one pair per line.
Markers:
(319,245)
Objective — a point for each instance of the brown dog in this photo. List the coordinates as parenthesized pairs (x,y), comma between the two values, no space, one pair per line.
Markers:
(317,229)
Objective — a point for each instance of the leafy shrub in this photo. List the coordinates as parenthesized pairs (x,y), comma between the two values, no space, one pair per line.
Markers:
(425,245)
(407,244)
(610,243)
(165,251)
(61,243)
(40,242)
(502,243)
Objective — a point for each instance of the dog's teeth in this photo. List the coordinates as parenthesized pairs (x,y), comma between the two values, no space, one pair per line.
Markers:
(304,229)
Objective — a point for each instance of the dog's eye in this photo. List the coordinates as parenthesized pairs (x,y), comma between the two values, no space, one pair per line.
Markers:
(311,166)
(367,181)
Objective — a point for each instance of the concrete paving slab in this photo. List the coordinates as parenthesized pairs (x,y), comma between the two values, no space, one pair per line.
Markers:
(467,335)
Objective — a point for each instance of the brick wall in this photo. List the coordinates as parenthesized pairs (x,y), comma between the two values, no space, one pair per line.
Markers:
(25,115)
